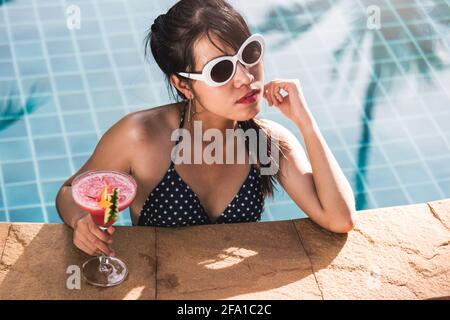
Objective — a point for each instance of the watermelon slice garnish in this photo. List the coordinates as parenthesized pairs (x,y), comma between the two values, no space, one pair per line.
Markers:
(110,202)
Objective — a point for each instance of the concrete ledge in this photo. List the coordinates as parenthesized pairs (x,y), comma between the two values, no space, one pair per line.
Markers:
(393,253)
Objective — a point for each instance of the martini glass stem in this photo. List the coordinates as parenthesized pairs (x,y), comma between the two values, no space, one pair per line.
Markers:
(104,265)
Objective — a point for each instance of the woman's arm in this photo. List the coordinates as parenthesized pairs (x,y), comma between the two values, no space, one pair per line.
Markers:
(334,190)
(318,187)
(112,152)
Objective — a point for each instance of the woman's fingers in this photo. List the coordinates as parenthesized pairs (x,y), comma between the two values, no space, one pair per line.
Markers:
(85,246)
(103,236)
(89,238)
(278,95)
(111,231)
(98,244)
(272,91)
(267,96)
(280,88)
(267,93)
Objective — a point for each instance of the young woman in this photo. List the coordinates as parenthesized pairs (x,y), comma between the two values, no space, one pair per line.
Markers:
(209,56)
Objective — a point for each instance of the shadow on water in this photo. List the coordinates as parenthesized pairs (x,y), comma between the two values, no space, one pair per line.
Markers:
(408,29)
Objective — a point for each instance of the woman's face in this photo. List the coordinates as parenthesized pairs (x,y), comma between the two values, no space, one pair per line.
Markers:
(223,100)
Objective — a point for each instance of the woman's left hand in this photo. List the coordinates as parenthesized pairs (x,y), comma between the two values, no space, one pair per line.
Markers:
(293,105)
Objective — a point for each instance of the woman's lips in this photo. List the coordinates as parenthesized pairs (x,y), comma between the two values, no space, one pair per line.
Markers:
(250,98)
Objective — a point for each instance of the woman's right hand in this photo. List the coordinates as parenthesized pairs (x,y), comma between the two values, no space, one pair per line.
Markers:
(88,237)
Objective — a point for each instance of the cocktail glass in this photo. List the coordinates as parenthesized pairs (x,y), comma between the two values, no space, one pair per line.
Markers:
(103,271)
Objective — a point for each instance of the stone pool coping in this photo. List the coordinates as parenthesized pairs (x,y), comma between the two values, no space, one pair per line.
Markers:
(398,252)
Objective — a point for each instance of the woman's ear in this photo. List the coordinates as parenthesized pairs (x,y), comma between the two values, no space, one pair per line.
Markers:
(182,86)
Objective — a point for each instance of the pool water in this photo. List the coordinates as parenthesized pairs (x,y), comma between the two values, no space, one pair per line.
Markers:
(378,88)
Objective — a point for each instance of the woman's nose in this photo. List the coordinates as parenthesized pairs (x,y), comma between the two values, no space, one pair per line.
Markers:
(243,75)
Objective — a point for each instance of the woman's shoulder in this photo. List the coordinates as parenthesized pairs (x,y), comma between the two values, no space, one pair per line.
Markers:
(150,124)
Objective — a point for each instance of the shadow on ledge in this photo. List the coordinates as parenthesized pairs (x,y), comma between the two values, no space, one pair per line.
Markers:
(264,260)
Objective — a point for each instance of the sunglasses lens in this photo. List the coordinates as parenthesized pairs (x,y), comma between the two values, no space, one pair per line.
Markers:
(222,71)
(252,52)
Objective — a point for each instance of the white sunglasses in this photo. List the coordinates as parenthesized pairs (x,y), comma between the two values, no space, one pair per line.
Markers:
(220,70)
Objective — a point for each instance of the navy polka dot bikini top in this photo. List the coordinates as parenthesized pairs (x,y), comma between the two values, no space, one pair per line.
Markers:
(172,203)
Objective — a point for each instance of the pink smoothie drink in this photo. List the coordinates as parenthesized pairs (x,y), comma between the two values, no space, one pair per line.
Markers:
(87,189)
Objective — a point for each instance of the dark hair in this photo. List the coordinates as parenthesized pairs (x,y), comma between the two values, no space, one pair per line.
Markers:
(171,40)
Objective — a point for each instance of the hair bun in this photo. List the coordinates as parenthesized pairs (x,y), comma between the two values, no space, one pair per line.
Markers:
(157,23)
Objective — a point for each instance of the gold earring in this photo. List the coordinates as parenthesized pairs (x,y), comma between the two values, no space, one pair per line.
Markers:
(191,114)
(189,110)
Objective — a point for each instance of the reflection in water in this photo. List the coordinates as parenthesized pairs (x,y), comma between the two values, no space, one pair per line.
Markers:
(11,108)
(298,18)
(411,39)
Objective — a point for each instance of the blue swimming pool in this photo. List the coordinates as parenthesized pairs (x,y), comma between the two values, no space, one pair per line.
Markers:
(375,73)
